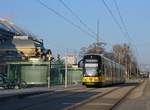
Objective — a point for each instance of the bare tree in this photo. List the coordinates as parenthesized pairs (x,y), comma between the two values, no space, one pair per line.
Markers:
(93,48)
(124,55)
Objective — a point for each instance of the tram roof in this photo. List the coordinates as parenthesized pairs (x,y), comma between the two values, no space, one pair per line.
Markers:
(102,56)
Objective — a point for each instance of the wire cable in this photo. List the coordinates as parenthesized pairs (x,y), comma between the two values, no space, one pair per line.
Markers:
(124,26)
(77,17)
(114,19)
(121,19)
(64,18)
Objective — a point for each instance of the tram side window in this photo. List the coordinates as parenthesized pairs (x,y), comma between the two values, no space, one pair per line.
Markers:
(114,70)
(120,73)
(110,69)
(103,69)
(117,72)
(107,69)
(115,75)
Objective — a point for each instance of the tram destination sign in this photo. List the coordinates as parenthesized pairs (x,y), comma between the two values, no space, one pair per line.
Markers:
(91,60)
(91,65)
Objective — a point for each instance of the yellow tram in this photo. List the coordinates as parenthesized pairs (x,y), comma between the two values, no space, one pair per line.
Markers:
(99,71)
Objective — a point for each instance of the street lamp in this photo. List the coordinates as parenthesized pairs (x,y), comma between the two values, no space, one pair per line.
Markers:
(66,71)
(50,58)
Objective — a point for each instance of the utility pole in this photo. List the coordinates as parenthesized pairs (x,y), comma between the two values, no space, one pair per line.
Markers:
(97,39)
(66,71)
(99,45)
(98,32)
(49,69)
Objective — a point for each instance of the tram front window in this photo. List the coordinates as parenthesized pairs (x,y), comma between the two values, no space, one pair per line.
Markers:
(91,69)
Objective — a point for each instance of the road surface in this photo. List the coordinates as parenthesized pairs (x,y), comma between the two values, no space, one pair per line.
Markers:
(79,98)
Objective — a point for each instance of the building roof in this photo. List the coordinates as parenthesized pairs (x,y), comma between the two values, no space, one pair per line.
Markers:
(12,28)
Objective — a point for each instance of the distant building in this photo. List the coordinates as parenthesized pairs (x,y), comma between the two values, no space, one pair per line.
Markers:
(18,44)
(71,59)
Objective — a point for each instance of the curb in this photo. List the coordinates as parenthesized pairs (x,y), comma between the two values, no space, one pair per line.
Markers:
(22,95)
(32,93)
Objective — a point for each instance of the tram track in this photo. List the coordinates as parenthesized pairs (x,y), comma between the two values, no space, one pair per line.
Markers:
(90,99)
(59,93)
(55,96)
(53,92)
(120,100)
(72,99)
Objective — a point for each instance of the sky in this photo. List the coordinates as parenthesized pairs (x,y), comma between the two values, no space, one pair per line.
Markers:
(60,35)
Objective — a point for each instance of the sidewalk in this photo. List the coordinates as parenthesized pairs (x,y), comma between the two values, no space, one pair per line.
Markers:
(6,94)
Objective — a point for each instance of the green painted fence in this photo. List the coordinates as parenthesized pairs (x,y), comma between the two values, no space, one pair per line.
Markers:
(36,73)
(58,76)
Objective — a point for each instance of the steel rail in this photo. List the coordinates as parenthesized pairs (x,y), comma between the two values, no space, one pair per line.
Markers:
(123,99)
(59,95)
(73,107)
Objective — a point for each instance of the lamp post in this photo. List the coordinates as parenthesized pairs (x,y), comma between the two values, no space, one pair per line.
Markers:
(66,61)
(49,67)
